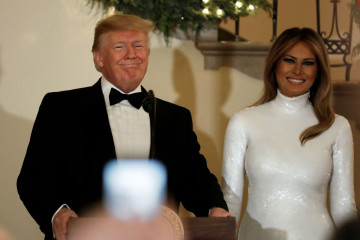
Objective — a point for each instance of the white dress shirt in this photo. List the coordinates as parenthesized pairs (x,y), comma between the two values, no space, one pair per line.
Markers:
(130,126)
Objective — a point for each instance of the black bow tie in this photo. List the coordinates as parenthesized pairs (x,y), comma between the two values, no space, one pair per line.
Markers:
(135,99)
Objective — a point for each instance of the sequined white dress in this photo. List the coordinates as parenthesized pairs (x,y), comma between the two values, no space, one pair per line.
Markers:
(288,183)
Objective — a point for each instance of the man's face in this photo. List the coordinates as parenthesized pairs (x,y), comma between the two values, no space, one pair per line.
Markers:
(123,58)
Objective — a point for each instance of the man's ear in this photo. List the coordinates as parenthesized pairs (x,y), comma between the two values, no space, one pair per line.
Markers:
(98,59)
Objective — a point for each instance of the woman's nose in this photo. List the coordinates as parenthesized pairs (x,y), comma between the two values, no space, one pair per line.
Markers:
(297,68)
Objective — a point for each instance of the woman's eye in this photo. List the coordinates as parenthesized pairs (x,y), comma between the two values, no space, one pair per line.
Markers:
(309,63)
(289,60)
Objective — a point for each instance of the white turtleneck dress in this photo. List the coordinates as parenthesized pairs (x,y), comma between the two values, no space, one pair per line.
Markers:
(288,183)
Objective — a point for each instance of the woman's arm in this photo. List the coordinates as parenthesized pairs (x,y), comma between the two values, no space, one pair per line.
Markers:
(342,200)
(233,165)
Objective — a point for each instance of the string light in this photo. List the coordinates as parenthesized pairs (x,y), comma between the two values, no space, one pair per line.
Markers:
(206,11)
(219,12)
(250,8)
(238,4)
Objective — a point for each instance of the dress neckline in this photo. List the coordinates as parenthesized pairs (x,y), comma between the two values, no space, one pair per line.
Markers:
(292,104)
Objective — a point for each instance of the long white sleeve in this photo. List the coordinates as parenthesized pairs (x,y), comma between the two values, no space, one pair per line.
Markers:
(233,165)
(342,200)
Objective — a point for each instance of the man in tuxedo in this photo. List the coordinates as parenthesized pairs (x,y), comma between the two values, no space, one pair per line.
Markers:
(76,132)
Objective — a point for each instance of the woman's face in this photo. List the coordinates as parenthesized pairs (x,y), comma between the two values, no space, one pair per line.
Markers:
(297,70)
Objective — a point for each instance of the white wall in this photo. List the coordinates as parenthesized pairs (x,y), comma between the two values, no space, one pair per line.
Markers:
(45,46)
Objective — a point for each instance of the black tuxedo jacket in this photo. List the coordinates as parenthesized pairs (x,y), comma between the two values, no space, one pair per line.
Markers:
(71,141)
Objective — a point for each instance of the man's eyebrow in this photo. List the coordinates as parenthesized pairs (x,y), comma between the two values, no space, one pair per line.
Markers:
(120,42)
(126,42)
(139,40)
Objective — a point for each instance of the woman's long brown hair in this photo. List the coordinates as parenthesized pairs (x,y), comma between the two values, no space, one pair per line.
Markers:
(320,92)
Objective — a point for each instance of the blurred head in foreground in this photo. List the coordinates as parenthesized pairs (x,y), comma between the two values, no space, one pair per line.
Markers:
(134,189)
(134,192)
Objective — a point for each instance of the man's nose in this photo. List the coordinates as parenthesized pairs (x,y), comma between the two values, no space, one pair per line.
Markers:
(130,52)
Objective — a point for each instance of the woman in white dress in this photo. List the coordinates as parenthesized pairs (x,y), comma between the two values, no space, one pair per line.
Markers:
(292,148)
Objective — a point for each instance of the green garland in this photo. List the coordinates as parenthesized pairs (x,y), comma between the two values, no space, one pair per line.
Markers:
(185,14)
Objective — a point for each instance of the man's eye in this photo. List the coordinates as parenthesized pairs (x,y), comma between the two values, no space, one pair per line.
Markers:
(138,46)
(120,46)
(289,60)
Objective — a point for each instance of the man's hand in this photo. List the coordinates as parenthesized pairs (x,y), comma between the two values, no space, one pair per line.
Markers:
(60,222)
(218,212)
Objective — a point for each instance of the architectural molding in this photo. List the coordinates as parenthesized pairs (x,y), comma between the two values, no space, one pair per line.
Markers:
(247,57)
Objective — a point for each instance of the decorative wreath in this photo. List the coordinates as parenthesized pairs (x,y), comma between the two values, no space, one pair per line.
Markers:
(193,15)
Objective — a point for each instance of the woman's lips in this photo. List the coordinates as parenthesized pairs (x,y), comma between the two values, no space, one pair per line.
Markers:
(294,80)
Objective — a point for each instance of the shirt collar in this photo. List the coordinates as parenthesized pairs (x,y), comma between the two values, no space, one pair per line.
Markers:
(106,87)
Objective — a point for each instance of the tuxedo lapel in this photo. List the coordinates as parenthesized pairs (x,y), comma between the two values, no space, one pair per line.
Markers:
(96,124)
(164,131)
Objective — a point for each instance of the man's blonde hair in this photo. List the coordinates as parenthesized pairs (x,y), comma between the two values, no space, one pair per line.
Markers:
(121,22)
